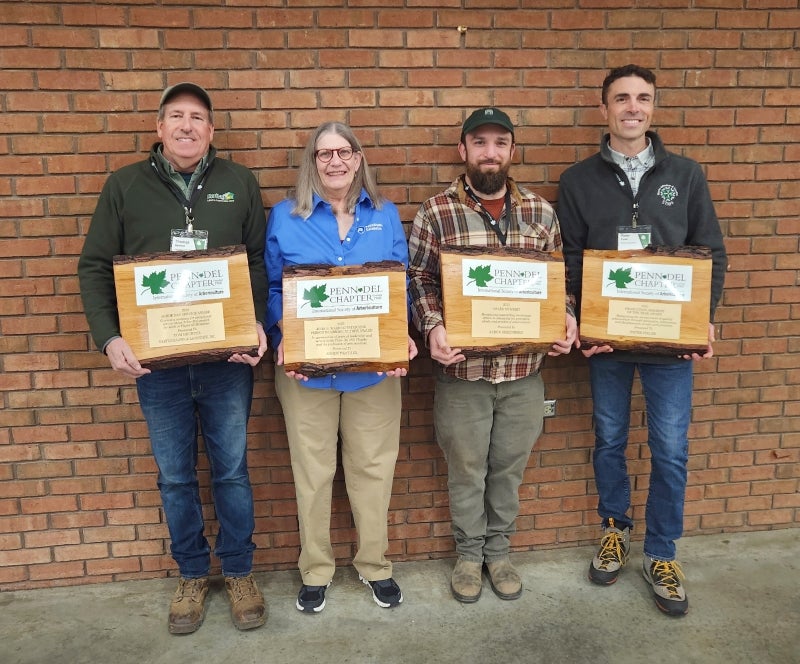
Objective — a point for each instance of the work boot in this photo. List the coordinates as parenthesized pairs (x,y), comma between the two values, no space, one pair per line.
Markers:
(465,583)
(187,608)
(504,579)
(612,555)
(664,577)
(247,603)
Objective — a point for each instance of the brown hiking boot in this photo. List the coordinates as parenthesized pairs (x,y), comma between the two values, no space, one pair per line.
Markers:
(187,609)
(504,579)
(247,603)
(465,583)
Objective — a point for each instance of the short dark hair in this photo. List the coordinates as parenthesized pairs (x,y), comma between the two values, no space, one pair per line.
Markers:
(622,72)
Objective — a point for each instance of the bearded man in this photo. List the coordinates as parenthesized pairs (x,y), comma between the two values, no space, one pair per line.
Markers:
(487,410)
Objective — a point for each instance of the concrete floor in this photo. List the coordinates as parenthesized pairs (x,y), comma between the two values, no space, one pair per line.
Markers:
(744,592)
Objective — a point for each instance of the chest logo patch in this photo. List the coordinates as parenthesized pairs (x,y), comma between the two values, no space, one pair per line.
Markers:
(227,197)
(668,193)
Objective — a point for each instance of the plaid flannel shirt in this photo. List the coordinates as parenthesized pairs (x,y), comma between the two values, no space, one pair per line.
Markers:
(453,218)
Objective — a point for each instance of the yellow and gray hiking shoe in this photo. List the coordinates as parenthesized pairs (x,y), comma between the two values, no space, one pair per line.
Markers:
(664,578)
(611,556)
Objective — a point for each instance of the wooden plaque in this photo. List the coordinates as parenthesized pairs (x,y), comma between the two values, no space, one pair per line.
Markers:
(502,300)
(345,319)
(654,300)
(178,308)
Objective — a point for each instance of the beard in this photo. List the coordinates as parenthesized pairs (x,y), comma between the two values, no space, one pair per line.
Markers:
(487,183)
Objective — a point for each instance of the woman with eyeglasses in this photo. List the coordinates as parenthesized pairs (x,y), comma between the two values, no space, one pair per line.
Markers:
(337,217)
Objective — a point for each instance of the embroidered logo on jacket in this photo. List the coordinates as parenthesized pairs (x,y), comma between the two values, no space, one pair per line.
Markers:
(227,197)
(668,194)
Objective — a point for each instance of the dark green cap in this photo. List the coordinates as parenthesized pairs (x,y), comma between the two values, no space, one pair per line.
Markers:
(484,116)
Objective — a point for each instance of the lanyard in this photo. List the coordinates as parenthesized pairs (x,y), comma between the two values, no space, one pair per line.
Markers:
(186,203)
(494,224)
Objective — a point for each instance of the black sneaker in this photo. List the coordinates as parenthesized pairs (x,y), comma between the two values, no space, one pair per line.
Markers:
(664,578)
(611,556)
(311,599)
(386,592)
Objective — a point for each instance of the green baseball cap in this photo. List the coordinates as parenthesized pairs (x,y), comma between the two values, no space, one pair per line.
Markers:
(484,116)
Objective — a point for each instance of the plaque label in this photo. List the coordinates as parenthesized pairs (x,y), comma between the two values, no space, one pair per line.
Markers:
(647,320)
(346,296)
(647,281)
(503,278)
(189,324)
(181,282)
(357,339)
(505,319)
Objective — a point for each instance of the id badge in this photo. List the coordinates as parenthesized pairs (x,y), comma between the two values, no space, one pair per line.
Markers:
(182,239)
(633,237)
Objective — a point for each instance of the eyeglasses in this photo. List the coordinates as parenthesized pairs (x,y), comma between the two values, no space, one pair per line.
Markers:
(344,154)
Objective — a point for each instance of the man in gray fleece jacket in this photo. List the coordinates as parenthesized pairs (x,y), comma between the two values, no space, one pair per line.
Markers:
(631,194)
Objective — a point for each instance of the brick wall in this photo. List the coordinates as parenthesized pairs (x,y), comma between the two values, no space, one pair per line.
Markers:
(79,88)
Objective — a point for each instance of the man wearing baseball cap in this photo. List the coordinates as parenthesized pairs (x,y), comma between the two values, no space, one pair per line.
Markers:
(192,89)
(181,198)
(487,410)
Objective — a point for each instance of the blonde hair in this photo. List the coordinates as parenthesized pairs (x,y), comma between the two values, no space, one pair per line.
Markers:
(309,182)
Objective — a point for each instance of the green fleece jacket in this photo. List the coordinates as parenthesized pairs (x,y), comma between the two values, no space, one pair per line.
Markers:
(137,209)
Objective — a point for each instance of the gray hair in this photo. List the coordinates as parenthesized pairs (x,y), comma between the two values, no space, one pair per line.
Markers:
(309,182)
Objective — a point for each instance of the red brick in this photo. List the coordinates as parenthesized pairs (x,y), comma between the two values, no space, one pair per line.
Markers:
(112,566)
(56,571)
(406,91)
(80,552)
(48,504)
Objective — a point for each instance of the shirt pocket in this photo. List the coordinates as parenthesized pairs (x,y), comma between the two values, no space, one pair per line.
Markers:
(534,236)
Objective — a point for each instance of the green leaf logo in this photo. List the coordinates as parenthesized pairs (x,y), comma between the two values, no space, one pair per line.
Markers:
(156,282)
(315,296)
(621,277)
(481,274)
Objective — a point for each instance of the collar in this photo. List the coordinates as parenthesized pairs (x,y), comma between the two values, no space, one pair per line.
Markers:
(169,169)
(646,156)
(317,200)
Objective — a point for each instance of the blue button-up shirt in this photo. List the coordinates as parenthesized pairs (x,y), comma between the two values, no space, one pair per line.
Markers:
(375,235)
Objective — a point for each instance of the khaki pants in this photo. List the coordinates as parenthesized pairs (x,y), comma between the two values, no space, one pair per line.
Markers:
(369,423)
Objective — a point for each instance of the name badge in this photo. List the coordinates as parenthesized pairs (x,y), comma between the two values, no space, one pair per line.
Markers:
(633,237)
(182,239)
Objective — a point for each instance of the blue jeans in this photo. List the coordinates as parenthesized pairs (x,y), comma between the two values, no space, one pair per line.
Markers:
(668,401)
(217,396)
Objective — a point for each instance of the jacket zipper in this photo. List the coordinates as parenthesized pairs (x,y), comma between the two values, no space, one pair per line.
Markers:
(186,203)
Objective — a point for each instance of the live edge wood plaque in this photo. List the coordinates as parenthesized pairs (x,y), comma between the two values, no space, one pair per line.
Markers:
(178,308)
(502,301)
(345,318)
(654,300)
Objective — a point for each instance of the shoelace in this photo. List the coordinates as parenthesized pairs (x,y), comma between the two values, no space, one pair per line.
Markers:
(189,589)
(242,586)
(610,549)
(668,574)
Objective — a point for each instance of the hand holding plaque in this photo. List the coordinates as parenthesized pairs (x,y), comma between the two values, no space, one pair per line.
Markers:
(654,300)
(502,300)
(345,319)
(178,308)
